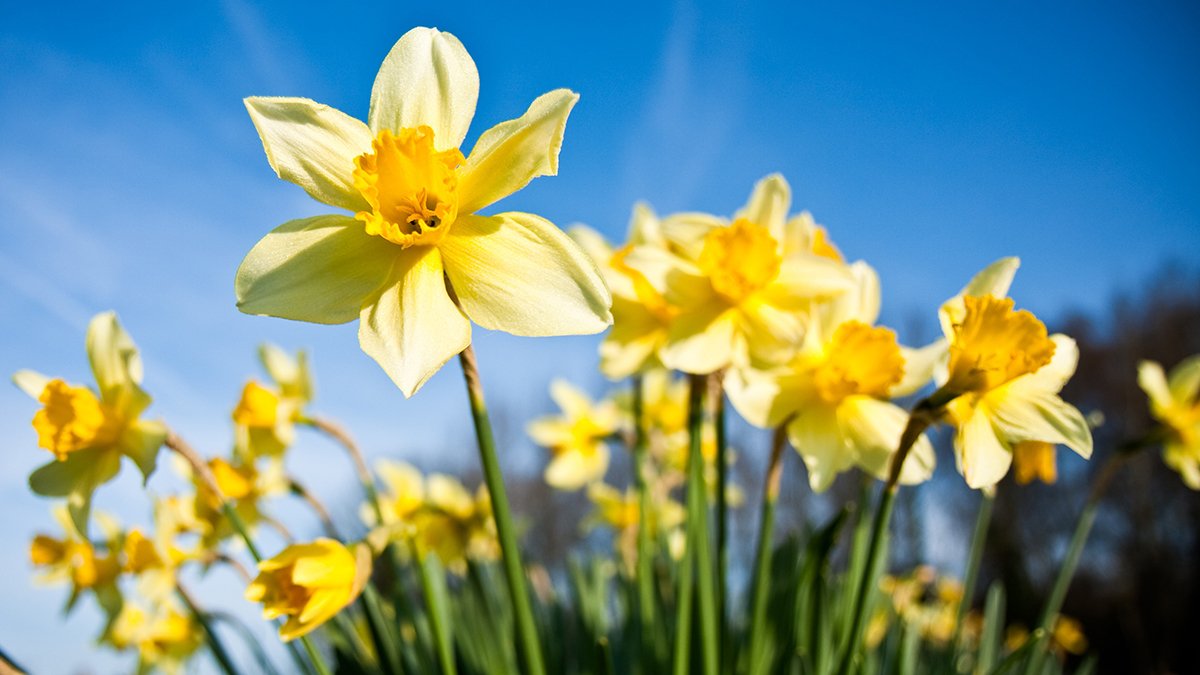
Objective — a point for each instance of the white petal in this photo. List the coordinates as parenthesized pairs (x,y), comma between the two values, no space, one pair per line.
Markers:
(518,273)
(319,269)
(920,366)
(313,146)
(413,328)
(427,78)
(512,153)
(1153,381)
(31,382)
(1054,375)
(1029,414)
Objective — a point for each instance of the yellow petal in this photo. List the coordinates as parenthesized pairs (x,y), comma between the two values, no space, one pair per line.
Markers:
(1024,413)
(920,366)
(518,273)
(816,435)
(413,328)
(570,399)
(874,428)
(631,346)
(769,204)
(427,78)
(510,154)
(573,470)
(1184,380)
(319,269)
(982,457)
(763,398)
(771,334)
(116,365)
(993,280)
(860,303)
(313,146)
(31,382)
(803,276)
(1153,381)
(702,341)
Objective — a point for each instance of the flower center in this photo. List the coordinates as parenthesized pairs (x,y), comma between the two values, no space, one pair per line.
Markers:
(860,360)
(412,188)
(739,259)
(72,419)
(995,344)
(258,407)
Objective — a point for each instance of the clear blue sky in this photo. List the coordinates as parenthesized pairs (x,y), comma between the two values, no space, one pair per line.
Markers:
(930,140)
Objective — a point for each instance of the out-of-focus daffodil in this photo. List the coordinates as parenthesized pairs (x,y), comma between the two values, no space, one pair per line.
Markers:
(74,560)
(576,438)
(1004,373)
(1034,460)
(925,602)
(621,511)
(90,430)
(834,394)
(164,637)
(265,416)
(415,263)
(1175,403)
(737,287)
(241,483)
(641,315)
(1066,637)
(310,583)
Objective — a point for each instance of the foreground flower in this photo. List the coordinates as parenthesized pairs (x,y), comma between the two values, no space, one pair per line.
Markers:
(737,284)
(415,264)
(310,583)
(834,395)
(90,430)
(576,438)
(1004,373)
(1175,403)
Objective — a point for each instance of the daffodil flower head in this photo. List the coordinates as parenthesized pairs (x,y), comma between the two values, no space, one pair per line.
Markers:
(416,263)
(89,430)
(310,583)
(1034,460)
(577,438)
(164,637)
(74,560)
(1175,404)
(621,511)
(995,344)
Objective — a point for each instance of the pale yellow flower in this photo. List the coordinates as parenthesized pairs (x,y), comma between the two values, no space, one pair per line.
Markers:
(737,287)
(622,512)
(90,430)
(265,416)
(74,560)
(415,263)
(577,438)
(834,394)
(243,485)
(310,583)
(164,637)
(925,602)
(1175,403)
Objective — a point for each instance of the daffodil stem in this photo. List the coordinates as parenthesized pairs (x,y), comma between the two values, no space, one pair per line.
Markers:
(297,488)
(716,393)
(698,530)
(386,642)
(1058,592)
(343,438)
(683,611)
(982,522)
(435,605)
(514,572)
(202,471)
(762,558)
(215,645)
(645,555)
(921,417)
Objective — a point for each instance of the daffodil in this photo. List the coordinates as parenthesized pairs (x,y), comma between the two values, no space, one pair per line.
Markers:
(737,287)
(265,416)
(310,583)
(413,260)
(73,559)
(641,315)
(834,394)
(1034,460)
(89,430)
(243,485)
(164,637)
(621,511)
(1175,403)
(925,602)
(1003,372)
(576,438)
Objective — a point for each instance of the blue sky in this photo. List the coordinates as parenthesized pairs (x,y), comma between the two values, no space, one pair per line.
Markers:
(931,140)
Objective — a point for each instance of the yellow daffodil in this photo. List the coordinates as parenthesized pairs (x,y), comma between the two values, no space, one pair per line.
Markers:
(74,560)
(576,438)
(836,391)
(737,287)
(1034,460)
(621,511)
(241,482)
(1003,372)
(925,602)
(641,315)
(164,637)
(415,263)
(1175,403)
(310,583)
(265,416)
(90,430)
(1066,637)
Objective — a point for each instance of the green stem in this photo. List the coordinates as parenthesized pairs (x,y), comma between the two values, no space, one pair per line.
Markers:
(717,400)
(683,611)
(382,632)
(982,521)
(338,434)
(698,530)
(215,645)
(645,555)
(527,636)
(435,602)
(762,565)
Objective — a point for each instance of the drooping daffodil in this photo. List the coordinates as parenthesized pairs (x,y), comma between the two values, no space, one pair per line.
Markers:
(75,560)
(738,287)
(90,430)
(835,394)
(413,260)
(1175,403)
(265,416)
(310,583)
(577,438)
(164,636)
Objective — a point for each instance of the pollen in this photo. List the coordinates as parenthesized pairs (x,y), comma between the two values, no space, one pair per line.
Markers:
(411,187)
(860,361)
(995,344)
(740,259)
(73,419)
